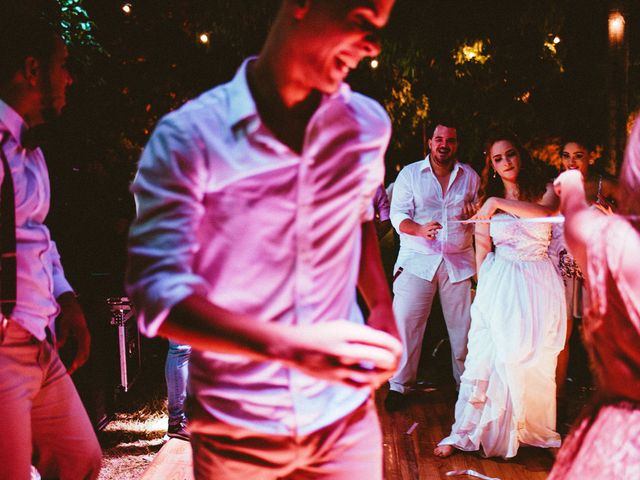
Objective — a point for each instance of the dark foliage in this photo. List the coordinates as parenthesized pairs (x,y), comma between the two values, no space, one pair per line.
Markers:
(134,67)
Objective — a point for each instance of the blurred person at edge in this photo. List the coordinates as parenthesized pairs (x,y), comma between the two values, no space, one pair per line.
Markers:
(43,420)
(254,225)
(605,441)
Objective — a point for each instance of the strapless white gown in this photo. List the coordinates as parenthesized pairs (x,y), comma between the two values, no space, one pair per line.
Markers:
(518,327)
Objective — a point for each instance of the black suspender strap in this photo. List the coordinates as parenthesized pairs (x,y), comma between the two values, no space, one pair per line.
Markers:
(8,276)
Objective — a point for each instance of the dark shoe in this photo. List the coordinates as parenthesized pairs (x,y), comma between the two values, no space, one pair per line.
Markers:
(395,401)
(179,430)
(426,386)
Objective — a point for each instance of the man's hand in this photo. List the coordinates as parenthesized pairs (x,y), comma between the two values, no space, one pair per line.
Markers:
(429,230)
(469,208)
(344,352)
(72,323)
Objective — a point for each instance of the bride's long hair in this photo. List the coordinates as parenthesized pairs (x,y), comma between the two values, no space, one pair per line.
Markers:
(531,182)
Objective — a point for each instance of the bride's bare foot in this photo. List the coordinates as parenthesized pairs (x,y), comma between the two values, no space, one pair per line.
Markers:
(443,451)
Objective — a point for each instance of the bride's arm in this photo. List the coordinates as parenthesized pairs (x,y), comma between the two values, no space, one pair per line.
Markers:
(483,243)
(547,206)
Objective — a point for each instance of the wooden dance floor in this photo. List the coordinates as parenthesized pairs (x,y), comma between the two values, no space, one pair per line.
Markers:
(411,435)
(409,439)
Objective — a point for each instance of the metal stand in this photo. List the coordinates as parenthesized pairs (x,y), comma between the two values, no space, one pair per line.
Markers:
(122,316)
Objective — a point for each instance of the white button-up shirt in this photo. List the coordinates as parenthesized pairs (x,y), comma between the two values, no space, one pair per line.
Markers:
(39,273)
(227,211)
(417,195)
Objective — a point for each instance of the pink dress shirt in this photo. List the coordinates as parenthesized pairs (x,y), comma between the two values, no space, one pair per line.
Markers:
(40,277)
(228,211)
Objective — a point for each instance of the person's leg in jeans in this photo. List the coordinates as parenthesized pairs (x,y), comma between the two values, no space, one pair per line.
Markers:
(176,374)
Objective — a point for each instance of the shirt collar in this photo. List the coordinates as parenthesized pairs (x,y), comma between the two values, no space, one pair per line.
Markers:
(426,165)
(243,107)
(12,121)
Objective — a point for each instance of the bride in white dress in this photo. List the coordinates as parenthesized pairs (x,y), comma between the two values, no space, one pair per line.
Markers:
(518,319)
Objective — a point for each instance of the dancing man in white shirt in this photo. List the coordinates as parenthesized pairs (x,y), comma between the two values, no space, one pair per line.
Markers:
(43,419)
(254,226)
(436,256)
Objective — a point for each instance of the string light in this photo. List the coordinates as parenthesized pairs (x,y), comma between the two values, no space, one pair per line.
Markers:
(204,38)
(471,53)
(616,27)
(126,8)
(552,43)
(374,63)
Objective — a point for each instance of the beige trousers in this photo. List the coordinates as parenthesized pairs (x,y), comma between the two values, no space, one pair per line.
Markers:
(43,420)
(412,300)
(348,449)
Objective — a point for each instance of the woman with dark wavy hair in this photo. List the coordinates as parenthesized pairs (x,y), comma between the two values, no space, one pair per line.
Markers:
(578,152)
(507,392)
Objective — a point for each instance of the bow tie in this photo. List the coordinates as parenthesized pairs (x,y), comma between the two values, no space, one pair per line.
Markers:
(31,138)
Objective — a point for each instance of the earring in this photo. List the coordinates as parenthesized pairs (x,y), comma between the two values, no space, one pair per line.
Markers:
(494,174)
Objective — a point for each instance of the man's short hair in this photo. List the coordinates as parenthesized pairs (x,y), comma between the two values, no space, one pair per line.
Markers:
(24,35)
(443,121)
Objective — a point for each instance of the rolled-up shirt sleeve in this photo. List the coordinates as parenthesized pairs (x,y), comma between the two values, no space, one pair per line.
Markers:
(168,190)
(402,204)
(60,283)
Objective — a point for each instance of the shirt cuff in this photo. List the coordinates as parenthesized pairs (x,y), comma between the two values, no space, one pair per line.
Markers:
(61,285)
(397,219)
(152,310)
